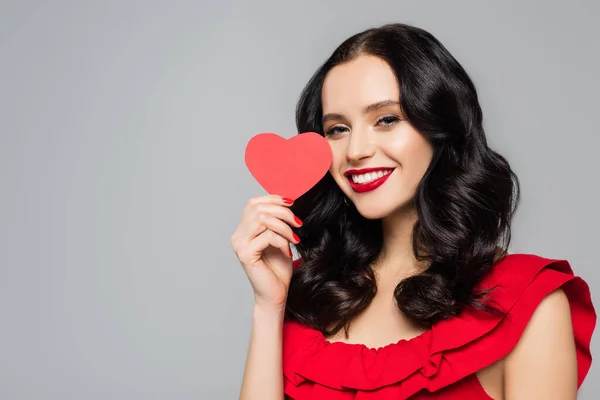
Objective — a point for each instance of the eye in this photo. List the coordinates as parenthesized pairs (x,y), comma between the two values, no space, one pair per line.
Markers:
(335,129)
(388,120)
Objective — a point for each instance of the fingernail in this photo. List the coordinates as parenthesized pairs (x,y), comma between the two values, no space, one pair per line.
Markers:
(287,201)
(291,255)
(296,238)
(298,220)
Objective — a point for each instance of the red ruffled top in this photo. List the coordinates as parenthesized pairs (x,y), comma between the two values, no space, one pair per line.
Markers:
(440,363)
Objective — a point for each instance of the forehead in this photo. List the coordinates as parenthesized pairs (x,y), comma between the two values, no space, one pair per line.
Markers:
(354,84)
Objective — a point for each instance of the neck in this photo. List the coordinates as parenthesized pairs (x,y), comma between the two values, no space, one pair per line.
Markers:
(396,258)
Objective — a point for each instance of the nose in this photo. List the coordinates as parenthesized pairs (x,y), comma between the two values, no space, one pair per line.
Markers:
(360,146)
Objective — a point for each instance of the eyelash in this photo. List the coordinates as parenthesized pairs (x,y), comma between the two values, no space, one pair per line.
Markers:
(391,119)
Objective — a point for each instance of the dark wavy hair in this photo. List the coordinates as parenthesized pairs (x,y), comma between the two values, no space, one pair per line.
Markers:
(465,201)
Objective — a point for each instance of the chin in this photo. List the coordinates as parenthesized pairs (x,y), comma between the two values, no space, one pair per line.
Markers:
(373,211)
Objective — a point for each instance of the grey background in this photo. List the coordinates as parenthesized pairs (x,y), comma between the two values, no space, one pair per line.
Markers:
(122,131)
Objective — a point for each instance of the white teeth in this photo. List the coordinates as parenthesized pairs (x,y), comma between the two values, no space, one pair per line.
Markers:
(370,176)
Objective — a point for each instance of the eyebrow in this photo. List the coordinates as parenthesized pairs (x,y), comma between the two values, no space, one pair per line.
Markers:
(366,110)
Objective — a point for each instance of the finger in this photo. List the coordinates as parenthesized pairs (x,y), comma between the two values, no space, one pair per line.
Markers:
(254,223)
(266,221)
(266,239)
(268,199)
(282,213)
(275,204)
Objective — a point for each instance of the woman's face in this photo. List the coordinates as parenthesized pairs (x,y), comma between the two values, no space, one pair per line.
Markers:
(378,157)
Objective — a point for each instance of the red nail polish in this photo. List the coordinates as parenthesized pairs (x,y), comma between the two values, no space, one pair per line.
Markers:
(291,255)
(287,201)
(296,238)
(298,220)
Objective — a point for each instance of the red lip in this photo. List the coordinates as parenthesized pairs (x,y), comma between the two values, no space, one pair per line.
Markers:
(367,187)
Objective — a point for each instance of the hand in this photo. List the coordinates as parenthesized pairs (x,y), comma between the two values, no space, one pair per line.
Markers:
(262,244)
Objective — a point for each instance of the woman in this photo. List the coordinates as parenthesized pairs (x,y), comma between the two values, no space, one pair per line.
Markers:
(403,287)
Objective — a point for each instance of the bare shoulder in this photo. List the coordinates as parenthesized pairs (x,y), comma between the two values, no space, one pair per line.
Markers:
(543,364)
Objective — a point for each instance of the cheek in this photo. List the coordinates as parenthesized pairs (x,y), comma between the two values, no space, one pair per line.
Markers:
(417,158)
(337,156)
(410,148)
(413,155)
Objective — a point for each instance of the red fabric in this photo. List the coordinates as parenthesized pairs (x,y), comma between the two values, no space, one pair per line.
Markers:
(440,363)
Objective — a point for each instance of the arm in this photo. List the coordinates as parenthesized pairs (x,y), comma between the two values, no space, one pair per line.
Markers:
(543,364)
(262,244)
(263,376)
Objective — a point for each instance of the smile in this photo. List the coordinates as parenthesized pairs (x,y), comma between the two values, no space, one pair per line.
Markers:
(365,180)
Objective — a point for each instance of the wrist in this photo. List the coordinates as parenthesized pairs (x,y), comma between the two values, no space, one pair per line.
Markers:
(275,311)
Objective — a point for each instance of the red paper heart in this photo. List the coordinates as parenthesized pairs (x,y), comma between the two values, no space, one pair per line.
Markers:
(288,167)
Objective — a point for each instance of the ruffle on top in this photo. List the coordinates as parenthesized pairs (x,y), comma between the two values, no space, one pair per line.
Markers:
(450,351)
